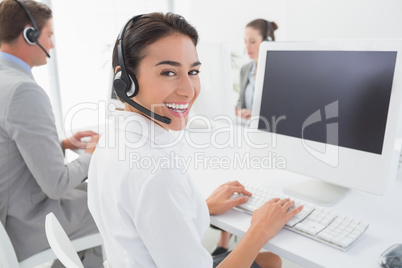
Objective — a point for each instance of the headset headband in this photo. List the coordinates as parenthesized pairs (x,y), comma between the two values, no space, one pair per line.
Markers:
(29,15)
(120,53)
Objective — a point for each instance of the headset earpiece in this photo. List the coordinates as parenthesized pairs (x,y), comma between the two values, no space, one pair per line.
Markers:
(118,83)
(133,89)
(31,35)
(125,85)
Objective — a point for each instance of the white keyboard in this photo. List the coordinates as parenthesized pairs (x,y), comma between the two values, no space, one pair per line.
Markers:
(321,224)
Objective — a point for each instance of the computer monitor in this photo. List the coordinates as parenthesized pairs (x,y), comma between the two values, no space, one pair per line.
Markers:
(216,103)
(330,111)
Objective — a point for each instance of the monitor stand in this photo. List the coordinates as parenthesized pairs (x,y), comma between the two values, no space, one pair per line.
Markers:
(319,192)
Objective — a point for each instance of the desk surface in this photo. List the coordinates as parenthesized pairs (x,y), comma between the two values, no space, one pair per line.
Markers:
(383,213)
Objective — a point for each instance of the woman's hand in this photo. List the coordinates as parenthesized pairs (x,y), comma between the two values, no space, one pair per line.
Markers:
(74,142)
(270,218)
(243,113)
(219,201)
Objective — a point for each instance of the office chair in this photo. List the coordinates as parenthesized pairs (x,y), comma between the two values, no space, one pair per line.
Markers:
(61,245)
(8,257)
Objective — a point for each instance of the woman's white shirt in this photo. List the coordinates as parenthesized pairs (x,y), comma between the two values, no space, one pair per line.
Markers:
(147,209)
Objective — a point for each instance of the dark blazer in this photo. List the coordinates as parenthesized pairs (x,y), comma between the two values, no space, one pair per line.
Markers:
(244,74)
(34,180)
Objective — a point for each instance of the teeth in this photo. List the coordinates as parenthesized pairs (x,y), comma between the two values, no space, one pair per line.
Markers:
(177,107)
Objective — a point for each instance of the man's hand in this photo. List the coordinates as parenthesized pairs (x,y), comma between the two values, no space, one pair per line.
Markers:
(74,142)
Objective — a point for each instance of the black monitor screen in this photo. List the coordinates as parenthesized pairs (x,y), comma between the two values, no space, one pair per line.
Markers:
(334,97)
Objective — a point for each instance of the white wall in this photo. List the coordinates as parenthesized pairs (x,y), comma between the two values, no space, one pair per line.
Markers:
(297,19)
(85,33)
(224,20)
(343,19)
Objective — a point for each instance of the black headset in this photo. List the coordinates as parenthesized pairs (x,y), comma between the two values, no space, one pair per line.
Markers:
(31,33)
(125,83)
(269,30)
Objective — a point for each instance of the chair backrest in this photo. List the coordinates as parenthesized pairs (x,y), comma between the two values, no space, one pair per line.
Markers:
(60,243)
(8,258)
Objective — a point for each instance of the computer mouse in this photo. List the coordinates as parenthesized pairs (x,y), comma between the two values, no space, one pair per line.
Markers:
(392,257)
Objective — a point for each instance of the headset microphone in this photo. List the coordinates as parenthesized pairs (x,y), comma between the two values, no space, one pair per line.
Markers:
(31,34)
(125,83)
(47,54)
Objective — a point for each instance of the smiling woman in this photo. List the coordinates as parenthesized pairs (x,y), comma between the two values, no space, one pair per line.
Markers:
(174,72)
(172,84)
(153,216)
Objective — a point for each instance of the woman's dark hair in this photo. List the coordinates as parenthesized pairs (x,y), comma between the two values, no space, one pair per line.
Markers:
(265,28)
(145,31)
(13,18)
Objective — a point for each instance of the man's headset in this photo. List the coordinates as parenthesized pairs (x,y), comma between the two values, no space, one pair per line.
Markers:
(125,83)
(31,34)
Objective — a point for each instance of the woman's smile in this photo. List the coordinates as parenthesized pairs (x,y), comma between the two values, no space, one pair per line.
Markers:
(178,108)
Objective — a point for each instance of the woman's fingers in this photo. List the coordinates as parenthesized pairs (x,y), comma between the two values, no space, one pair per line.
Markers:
(237,187)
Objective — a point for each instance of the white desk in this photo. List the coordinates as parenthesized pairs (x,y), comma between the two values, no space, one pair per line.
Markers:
(384,213)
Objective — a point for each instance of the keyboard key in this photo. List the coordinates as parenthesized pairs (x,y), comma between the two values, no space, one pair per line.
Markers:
(309,227)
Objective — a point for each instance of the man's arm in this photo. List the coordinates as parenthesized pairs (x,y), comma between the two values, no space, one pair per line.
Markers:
(30,123)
